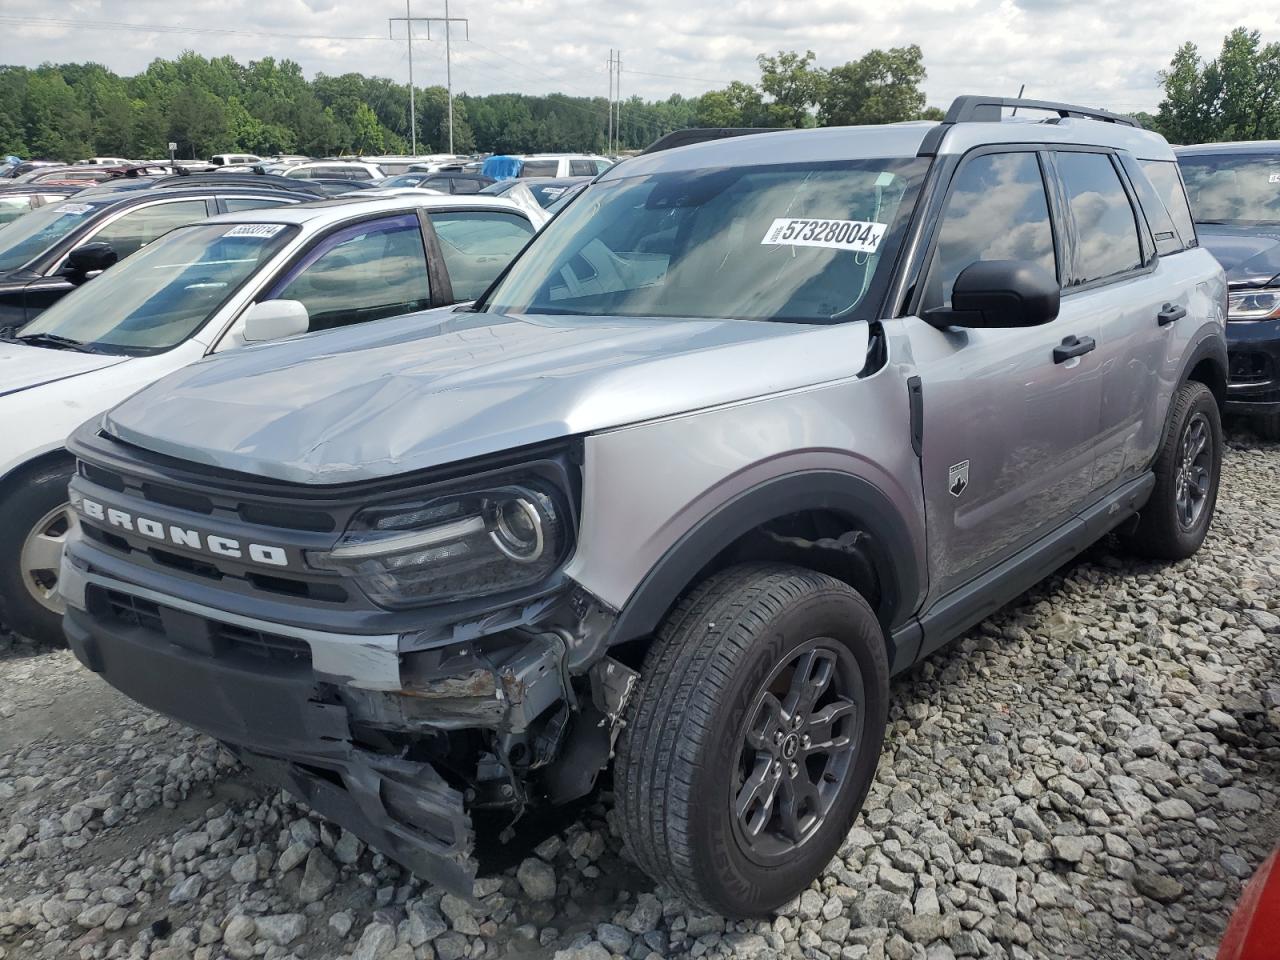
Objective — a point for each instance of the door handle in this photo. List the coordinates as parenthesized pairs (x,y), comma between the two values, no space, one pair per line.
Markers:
(1169,313)
(1071,347)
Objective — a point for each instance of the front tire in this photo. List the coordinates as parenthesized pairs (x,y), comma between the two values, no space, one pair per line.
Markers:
(753,736)
(37,520)
(1176,519)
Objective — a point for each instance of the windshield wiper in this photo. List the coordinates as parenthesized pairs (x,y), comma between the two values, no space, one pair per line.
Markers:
(1217,223)
(56,341)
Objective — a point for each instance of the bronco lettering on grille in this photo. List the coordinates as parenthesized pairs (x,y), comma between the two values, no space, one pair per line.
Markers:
(185,536)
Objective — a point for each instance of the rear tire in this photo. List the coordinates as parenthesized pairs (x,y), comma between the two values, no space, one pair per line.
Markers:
(753,736)
(37,518)
(1268,427)
(1176,519)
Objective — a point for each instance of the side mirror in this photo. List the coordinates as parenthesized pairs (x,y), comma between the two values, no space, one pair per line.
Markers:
(90,258)
(275,320)
(1000,293)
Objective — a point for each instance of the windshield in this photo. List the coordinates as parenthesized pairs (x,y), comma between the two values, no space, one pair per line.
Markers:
(801,242)
(165,292)
(31,235)
(1232,188)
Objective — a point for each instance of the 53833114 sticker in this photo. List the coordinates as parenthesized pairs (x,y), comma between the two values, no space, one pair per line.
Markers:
(263,230)
(860,236)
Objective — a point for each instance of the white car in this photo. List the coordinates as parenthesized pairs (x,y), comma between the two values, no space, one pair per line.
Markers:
(234,159)
(211,286)
(329,170)
(564,165)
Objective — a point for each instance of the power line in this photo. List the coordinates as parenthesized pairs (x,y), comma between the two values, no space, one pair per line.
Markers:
(173,28)
(676,76)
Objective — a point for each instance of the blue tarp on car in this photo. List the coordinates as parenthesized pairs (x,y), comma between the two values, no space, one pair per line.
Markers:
(502,167)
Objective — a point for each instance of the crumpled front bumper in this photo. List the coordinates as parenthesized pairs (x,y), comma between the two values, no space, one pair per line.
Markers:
(278,721)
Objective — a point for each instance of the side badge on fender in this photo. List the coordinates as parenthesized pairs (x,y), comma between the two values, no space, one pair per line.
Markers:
(958,478)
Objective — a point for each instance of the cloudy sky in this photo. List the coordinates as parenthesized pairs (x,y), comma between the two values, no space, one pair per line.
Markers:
(1089,51)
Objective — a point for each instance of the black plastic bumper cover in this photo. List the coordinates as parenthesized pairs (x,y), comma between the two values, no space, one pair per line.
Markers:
(285,735)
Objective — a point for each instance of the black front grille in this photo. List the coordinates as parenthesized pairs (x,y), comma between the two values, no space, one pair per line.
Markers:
(211,637)
(134,611)
(266,646)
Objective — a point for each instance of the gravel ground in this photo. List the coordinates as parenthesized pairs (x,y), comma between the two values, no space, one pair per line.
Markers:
(1090,773)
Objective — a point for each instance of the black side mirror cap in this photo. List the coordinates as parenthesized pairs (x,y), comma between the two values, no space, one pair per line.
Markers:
(1000,293)
(91,258)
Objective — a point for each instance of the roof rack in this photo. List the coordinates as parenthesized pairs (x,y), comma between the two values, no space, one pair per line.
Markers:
(977,109)
(268,180)
(692,135)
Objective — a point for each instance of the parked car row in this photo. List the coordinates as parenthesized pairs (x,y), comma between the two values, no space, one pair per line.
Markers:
(755,422)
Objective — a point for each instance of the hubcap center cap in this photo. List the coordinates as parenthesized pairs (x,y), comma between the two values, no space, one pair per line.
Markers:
(790,747)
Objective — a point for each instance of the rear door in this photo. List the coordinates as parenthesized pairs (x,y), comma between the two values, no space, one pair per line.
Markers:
(1124,272)
(1008,429)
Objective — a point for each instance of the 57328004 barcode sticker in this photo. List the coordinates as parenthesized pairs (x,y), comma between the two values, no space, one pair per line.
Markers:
(254,230)
(860,236)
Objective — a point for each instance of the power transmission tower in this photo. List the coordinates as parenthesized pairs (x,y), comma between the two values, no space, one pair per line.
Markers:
(448,22)
(615,102)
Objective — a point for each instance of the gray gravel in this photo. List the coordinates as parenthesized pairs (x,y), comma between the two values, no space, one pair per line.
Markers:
(1090,773)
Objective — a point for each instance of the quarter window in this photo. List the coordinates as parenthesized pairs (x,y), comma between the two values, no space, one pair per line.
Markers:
(1106,233)
(236,204)
(1164,176)
(997,210)
(139,227)
(582,168)
(366,272)
(477,245)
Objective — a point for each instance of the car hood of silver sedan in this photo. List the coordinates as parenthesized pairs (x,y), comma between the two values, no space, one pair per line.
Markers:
(440,387)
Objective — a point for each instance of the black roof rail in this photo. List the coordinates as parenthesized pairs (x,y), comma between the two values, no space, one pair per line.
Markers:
(691,135)
(268,180)
(977,109)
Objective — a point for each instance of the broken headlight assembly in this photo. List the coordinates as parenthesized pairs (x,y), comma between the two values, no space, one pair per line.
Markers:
(456,546)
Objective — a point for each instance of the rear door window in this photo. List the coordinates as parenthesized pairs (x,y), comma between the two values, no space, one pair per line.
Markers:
(363,272)
(477,245)
(582,168)
(1106,233)
(540,168)
(997,210)
(140,226)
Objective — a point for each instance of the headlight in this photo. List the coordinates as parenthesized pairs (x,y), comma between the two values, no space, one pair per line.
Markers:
(454,546)
(1262,304)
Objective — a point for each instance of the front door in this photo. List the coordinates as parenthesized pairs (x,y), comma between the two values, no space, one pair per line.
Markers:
(1008,430)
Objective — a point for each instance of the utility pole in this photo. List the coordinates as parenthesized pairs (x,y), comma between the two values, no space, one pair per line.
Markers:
(608,143)
(617,123)
(409,20)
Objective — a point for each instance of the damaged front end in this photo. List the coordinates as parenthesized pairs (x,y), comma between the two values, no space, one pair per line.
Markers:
(399,660)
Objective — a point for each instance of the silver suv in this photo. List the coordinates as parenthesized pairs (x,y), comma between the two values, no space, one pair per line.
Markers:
(753,425)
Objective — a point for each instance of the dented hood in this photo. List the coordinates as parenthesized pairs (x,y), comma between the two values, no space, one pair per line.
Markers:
(438,387)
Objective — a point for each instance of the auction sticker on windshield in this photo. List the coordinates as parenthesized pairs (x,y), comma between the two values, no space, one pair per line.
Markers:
(861,236)
(254,230)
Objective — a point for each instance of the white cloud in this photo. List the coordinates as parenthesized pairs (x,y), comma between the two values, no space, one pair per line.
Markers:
(1089,51)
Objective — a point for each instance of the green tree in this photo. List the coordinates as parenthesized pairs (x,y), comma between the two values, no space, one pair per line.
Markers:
(882,86)
(1233,97)
(793,85)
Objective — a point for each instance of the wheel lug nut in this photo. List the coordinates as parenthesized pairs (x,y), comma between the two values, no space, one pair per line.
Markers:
(777,737)
(795,770)
(804,741)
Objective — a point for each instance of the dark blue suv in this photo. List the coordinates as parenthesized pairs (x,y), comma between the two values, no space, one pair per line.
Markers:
(1234,189)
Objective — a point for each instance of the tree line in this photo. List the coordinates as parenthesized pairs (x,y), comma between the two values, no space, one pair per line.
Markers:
(206,106)
(74,110)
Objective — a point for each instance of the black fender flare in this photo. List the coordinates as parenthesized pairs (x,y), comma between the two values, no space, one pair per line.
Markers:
(867,507)
(1208,347)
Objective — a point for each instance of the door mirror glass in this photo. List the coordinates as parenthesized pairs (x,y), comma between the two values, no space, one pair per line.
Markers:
(275,320)
(1000,293)
(90,258)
